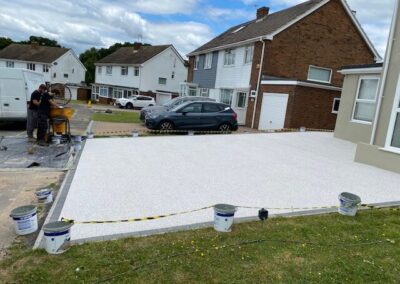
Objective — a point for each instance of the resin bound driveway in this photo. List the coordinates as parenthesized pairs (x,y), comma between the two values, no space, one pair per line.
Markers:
(125,178)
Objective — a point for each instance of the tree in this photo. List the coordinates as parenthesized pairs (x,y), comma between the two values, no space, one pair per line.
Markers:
(92,55)
(4,42)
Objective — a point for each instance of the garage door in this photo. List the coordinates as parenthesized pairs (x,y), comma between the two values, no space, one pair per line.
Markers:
(273,111)
(162,98)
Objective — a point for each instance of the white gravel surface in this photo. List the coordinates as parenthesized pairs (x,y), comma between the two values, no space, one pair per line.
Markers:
(124,178)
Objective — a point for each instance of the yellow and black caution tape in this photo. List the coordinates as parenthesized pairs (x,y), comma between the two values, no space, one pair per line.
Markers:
(135,219)
(148,131)
(149,218)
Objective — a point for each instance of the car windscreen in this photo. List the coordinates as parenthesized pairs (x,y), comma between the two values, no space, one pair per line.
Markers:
(172,103)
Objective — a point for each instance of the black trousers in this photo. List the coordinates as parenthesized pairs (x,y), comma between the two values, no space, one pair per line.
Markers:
(43,125)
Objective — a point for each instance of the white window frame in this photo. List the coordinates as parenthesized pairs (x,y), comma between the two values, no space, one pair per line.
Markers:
(118,93)
(231,99)
(136,71)
(66,75)
(162,78)
(249,49)
(237,99)
(31,66)
(99,69)
(191,90)
(357,100)
(229,57)
(10,64)
(109,70)
(321,68)
(102,89)
(173,75)
(208,59)
(204,92)
(46,68)
(124,70)
(392,123)
(333,105)
(196,62)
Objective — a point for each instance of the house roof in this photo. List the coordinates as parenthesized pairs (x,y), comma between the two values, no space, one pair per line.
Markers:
(33,53)
(363,66)
(126,55)
(273,24)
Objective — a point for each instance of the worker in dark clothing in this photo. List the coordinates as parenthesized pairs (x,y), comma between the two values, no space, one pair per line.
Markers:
(32,118)
(46,102)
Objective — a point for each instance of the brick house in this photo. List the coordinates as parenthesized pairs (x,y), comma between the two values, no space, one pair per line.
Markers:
(280,70)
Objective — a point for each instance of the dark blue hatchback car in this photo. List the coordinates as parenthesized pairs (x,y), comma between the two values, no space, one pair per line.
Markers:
(194,116)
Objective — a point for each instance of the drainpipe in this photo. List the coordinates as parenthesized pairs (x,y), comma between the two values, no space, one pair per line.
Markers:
(258,82)
(384,75)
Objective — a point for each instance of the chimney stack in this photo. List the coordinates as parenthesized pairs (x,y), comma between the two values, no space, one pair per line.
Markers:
(262,12)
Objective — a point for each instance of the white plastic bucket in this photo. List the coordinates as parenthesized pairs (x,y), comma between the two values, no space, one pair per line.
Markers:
(303,129)
(77,147)
(135,133)
(56,236)
(223,217)
(348,204)
(56,140)
(44,195)
(90,135)
(77,139)
(25,219)
(191,133)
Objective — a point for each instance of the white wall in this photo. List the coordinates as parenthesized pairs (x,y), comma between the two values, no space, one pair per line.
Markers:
(162,65)
(116,78)
(65,65)
(235,76)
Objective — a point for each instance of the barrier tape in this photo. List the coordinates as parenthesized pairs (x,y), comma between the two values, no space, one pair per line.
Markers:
(135,219)
(150,218)
(102,133)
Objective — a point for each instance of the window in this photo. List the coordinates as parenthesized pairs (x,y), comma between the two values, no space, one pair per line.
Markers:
(30,66)
(229,57)
(162,81)
(124,70)
(65,75)
(95,92)
(211,108)
(241,99)
(137,71)
(174,62)
(192,108)
(196,62)
(142,98)
(319,74)
(394,136)
(192,92)
(103,92)
(238,29)
(127,94)
(54,75)
(248,54)
(99,70)
(10,64)
(73,70)
(117,93)
(173,75)
(208,61)
(336,105)
(45,68)
(204,92)
(226,96)
(109,70)
(364,107)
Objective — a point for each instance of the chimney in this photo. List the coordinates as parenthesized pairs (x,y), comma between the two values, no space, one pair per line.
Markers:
(262,12)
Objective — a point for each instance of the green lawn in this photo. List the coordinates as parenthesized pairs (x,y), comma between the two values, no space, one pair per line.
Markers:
(117,116)
(319,249)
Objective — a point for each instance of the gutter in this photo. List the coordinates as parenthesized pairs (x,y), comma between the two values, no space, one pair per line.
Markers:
(258,82)
(386,64)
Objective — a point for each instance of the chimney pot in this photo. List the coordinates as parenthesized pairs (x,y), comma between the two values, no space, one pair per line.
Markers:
(262,12)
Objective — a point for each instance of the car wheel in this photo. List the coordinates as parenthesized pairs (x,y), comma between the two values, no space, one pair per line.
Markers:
(225,127)
(129,106)
(166,125)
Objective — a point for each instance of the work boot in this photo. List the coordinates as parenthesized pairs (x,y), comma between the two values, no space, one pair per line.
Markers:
(42,143)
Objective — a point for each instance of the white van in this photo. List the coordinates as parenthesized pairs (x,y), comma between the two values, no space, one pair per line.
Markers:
(16,87)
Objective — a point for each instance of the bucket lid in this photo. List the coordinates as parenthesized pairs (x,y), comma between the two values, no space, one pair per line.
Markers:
(57,226)
(350,197)
(225,208)
(43,191)
(23,211)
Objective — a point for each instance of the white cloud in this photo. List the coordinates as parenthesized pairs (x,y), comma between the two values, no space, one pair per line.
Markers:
(222,14)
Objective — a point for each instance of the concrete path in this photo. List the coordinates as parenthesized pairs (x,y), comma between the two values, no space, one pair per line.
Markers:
(135,177)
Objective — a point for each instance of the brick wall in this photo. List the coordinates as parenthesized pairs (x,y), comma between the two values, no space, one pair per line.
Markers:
(326,38)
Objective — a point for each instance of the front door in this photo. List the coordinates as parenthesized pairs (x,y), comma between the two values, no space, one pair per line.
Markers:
(273,111)
(239,105)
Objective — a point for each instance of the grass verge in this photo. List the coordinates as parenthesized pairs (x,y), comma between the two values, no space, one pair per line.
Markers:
(117,116)
(319,249)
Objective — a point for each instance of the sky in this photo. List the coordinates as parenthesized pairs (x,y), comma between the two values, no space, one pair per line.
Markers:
(187,24)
